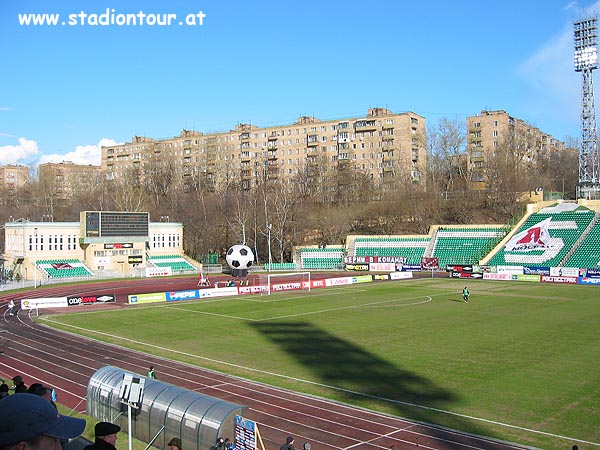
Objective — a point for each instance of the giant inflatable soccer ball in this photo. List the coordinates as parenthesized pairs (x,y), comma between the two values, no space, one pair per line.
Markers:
(239,258)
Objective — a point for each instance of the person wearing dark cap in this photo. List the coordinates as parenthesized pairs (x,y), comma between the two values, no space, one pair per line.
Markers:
(20,387)
(105,436)
(175,444)
(289,444)
(28,422)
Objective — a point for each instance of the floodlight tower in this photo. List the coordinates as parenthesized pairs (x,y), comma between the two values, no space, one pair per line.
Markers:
(586,60)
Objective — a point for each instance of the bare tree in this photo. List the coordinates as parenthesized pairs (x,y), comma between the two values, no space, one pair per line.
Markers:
(279,209)
(127,194)
(446,155)
(160,175)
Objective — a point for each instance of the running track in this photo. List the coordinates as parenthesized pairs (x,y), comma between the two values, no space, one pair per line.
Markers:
(66,362)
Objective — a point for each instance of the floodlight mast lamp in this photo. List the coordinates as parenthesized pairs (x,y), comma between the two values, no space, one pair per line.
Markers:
(586,60)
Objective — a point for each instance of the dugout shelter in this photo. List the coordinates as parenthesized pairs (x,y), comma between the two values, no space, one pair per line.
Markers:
(197,419)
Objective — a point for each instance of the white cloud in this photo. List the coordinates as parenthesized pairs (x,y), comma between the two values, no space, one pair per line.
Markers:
(551,67)
(554,93)
(13,154)
(83,154)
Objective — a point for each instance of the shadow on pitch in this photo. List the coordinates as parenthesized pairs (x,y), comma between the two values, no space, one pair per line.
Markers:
(362,376)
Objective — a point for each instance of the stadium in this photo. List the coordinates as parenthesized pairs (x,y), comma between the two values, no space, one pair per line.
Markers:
(366,345)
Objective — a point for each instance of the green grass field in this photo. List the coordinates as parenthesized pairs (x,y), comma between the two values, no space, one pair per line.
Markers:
(520,362)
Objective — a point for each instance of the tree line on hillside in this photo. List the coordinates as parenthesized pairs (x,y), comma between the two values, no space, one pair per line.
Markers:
(302,212)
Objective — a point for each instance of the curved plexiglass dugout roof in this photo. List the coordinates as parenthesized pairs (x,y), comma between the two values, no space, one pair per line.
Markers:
(197,419)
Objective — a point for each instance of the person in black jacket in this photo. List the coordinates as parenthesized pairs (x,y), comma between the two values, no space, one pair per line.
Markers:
(289,444)
(20,387)
(106,436)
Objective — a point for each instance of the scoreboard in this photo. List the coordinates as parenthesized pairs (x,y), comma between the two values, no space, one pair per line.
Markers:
(114,224)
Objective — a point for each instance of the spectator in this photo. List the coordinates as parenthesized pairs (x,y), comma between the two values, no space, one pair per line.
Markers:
(289,444)
(105,434)
(30,422)
(175,444)
(31,389)
(228,444)
(20,387)
(46,393)
(220,444)
(3,390)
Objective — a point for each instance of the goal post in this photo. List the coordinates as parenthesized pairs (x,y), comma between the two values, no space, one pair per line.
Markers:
(278,282)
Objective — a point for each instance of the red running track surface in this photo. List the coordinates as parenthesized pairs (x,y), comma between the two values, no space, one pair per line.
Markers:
(66,362)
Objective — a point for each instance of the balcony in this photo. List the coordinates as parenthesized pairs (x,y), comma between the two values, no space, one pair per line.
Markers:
(387,137)
(365,126)
(245,156)
(272,137)
(388,126)
(272,145)
(272,155)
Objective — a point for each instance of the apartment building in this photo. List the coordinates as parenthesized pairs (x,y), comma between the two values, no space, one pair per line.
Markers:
(489,130)
(380,146)
(12,178)
(66,177)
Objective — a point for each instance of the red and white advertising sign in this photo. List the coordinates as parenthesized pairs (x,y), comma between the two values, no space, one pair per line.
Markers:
(563,280)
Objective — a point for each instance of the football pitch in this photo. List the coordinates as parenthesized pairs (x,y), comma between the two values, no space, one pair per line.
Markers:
(519,362)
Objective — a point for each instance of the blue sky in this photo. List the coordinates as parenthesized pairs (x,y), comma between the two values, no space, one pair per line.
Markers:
(67,89)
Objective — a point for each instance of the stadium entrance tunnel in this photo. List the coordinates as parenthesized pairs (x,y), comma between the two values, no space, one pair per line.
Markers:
(197,419)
